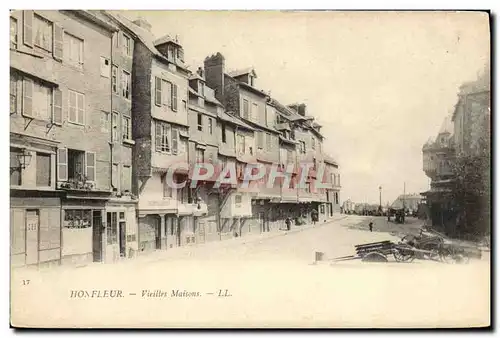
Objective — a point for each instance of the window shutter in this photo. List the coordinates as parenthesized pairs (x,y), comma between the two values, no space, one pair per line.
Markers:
(57,117)
(175,135)
(57,49)
(158,91)
(62,164)
(260,140)
(90,166)
(28,97)
(174,97)
(81,108)
(28,28)
(158,136)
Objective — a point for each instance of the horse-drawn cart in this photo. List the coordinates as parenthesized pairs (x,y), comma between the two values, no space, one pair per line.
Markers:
(409,248)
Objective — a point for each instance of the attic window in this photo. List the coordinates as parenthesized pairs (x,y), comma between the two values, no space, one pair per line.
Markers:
(180,54)
(251,80)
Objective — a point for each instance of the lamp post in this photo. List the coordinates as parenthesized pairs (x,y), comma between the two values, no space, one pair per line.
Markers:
(380,197)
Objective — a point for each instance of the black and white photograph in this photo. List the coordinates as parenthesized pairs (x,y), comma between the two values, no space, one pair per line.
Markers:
(250,169)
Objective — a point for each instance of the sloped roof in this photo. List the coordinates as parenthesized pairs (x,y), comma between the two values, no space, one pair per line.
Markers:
(234,119)
(329,159)
(239,72)
(285,111)
(146,37)
(196,76)
(165,39)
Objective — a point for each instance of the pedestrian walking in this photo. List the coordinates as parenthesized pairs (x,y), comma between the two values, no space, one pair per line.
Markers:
(371,226)
(288,223)
(314,216)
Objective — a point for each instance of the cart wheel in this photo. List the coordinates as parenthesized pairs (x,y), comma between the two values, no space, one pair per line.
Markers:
(402,255)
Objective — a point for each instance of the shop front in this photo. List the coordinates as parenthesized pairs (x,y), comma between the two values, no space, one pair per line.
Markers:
(158,225)
(83,228)
(121,231)
(35,229)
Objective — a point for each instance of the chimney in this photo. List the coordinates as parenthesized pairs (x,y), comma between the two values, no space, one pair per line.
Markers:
(201,72)
(143,23)
(302,109)
(214,74)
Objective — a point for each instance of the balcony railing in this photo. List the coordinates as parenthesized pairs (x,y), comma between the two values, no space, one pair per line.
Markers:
(76,184)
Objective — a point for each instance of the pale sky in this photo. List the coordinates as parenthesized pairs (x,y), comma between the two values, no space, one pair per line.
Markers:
(380,83)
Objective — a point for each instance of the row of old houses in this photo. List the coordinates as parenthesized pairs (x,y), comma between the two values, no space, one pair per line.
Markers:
(100,109)
(457,161)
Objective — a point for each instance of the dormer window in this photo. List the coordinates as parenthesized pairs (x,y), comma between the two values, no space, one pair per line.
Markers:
(251,80)
(171,52)
(180,54)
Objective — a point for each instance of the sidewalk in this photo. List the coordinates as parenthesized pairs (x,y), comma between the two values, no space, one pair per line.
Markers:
(184,251)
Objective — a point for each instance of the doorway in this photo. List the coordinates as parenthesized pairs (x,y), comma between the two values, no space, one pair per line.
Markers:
(123,239)
(32,230)
(97,235)
(157,227)
(201,232)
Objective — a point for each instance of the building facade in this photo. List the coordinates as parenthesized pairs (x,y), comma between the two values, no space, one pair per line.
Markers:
(462,145)
(101,110)
(60,151)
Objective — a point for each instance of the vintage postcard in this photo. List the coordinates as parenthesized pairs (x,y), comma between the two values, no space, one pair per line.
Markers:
(250,169)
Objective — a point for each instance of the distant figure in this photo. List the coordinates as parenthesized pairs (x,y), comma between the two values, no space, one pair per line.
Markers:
(288,223)
(314,216)
(371,226)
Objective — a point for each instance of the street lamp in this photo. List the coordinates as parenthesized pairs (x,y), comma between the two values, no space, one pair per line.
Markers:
(24,159)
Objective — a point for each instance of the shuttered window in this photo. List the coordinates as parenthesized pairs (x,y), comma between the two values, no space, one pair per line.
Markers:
(161,137)
(90,166)
(13,33)
(76,107)
(73,50)
(27,97)
(13,93)
(114,79)
(57,112)
(28,28)
(175,141)
(58,49)
(126,84)
(174,97)
(158,95)
(43,32)
(62,164)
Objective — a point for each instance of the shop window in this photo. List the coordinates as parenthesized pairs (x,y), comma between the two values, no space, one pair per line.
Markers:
(112,228)
(76,218)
